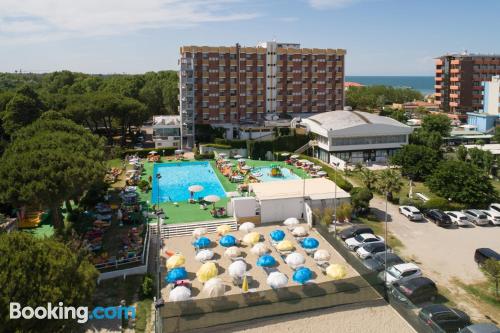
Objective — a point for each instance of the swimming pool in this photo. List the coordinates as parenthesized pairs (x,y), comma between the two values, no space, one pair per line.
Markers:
(177,177)
(263,174)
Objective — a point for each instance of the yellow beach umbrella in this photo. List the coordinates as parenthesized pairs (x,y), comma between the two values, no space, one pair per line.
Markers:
(336,271)
(285,245)
(251,238)
(177,260)
(207,271)
(224,229)
(244,285)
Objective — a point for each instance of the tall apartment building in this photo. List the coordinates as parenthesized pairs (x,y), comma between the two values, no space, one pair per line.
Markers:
(230,86)
(458,81)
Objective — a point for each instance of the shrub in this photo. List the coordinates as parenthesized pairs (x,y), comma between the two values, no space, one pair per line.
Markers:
(167,151)
(437,203)
(360,198)
(236,144)
(143,185)
(206,156)
(217,146)
(147,286)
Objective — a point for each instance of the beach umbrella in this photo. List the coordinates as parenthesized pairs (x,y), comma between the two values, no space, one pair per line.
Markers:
(237,268)
(178,273)
(310,243)
(277,235)
(285,154)
(238,156)
(232,252)
(299,231)
(214,288)
(212,199)
(295,260)
(179,294)
(222,155)
(246,167)
(294,156)
(207,271)
(179,151)
(227,241)
(247,227)
(204,255)
(198,232)
(244,285)
(322,255)
(321,173)
(266,261)
(241,160)
(259,249)
(291,222)
(302,275)
(317,167)
(202,242)
(177,260)
(277,280)
(153,152)
(285,245)
(251,238)
(336,271)
(194,189)
(224,229)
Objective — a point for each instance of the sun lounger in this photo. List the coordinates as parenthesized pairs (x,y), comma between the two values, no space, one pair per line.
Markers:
(269,270)
(322,265)
(238,281)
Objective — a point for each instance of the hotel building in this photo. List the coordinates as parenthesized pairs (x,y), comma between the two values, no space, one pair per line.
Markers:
(459,80)
(231,86)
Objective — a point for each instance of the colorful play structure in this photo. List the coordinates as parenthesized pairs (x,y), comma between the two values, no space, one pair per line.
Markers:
(30,218)
(275,171)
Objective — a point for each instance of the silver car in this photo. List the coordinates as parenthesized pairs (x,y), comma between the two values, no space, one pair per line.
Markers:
(476,216)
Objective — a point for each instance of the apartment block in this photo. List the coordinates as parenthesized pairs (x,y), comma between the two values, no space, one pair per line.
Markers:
(231,86)
(459,80)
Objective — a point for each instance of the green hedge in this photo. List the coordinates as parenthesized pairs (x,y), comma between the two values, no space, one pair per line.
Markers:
(341,181)
(167,151)
(434,203)
(258,149)
(236,144)
(217,145)
(206,156)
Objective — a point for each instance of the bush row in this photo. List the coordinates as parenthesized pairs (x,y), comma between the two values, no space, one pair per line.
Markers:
(258,149)
(434,203)
(167,151)
(235,144)
(217,145)
(206,156)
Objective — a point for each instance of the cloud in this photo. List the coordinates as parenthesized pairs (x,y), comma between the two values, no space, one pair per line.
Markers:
(30,20)
(331,4)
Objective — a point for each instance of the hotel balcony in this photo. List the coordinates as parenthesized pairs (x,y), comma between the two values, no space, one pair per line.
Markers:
(233,63)
(453,104)
(439,71)
(437,94)
(439,78)
(453,95)
(455,70)
(439,62)
(455,62)
(454,88)
(437,86)
(260,110)
(454,79)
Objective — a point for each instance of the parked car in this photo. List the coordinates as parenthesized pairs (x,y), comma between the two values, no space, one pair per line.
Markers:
(459,218)
(485,253)
(368,250)
(495,207)
(417,290)
(412,213)
(358,240)
(476,216)
(442,318)
(480,328)
(354,231)
(400,272)
(493,216)
(439,218)
(377,262)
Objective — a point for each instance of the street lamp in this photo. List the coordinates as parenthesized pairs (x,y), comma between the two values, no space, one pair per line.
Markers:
(335,200)
(385,239)
(158,240)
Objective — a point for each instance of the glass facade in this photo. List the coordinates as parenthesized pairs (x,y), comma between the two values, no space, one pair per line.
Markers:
(164,132)
(371,140)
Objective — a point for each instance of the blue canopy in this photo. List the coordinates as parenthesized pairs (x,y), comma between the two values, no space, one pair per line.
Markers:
(227,241)
(310,243)
(266,261)
(302,275)
(202,242)
(178,273)
(277,235)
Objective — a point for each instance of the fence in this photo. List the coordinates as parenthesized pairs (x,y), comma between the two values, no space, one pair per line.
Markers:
(181,229)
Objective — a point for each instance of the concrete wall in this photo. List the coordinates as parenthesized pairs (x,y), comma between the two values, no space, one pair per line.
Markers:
(230,152)
(275,210)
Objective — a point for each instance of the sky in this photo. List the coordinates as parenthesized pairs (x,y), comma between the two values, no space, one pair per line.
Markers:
(382,37)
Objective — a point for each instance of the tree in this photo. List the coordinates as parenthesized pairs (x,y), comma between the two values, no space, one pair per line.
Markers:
(421,137)
(416,161)
(37,271)
(461,182)
(371,97)
(360,198)
(491,268)
(22,109)
(483,159)
(344,212)
(369,178)
(49,162)
(389,182)
(439,123)
(461,153)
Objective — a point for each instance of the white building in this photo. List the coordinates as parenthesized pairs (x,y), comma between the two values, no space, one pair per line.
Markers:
(355,137)
(167,131)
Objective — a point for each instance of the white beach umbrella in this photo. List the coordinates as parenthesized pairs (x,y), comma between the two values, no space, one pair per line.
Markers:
(237,268)
(214,288)
(222,154)
(295,260)
(241,160)
(246,167)
(259,249)
(179,293)
(294,156)
(277,280)
(299,231)
(321,173)
(212,198)
(291,222)
(204,255)
(317,167)
(247,227)
(232,252)
(198,232)
(285,154)
(238,156)
(322,255)
(195,188)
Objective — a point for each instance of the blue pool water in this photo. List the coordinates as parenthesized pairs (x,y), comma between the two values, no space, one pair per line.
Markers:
(177,177)
(264,174)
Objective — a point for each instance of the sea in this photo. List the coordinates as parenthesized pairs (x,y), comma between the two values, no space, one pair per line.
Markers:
(424,84)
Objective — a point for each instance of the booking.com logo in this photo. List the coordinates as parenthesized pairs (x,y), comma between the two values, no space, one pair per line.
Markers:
(81,313)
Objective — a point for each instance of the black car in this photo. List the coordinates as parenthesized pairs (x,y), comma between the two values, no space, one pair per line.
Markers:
(480,328)
(484,253)
(442,318)
(377,262)
(416,290)
(439,218)
(354,231)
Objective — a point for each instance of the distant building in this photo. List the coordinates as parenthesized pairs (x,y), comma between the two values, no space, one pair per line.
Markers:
(167,131)
(348,85)
(411,107)
(486,120)
(356,137)
(229,86)
(458,81)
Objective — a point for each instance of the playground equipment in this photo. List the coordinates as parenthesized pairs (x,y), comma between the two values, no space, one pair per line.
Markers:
(29,219)
(275,171)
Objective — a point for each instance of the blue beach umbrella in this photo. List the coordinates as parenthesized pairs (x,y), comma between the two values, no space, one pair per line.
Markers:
(178,273)
(202,242)
(310,243)
(266,261)
(302,275)
(277,235)
(227,241)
